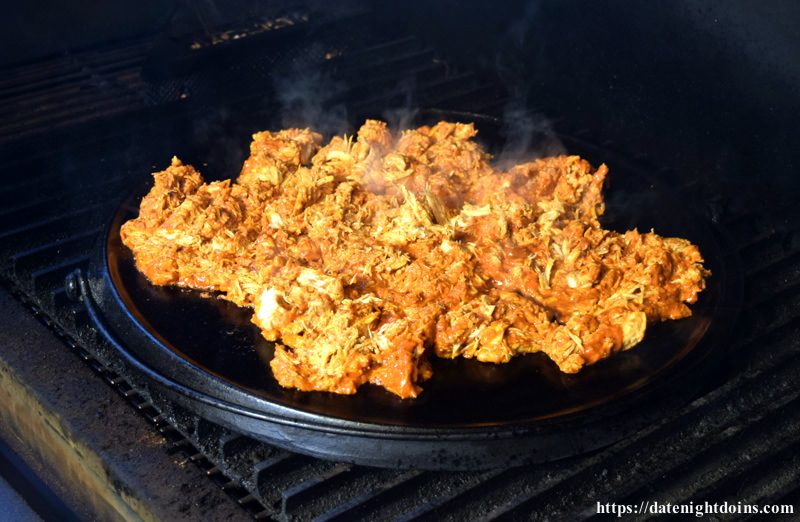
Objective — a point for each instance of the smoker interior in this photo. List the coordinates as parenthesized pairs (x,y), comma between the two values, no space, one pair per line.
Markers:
(706,106)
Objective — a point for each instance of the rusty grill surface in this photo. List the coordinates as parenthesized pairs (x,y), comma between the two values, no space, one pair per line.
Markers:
(739,442)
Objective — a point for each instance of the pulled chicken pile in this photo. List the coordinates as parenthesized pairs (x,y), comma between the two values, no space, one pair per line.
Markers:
(365,256)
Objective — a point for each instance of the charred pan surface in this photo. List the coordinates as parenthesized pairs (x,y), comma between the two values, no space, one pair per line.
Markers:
(364,256)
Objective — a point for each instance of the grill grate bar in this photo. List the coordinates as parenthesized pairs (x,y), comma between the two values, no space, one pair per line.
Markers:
(234,444)
(465,97)
(32,259)
(387,86)
(426,90)
(32,112)
(26,74)
(769,249)
(428,508)
(359,71)
(46,280)
(84,158)
(273,467)
(274,482)
(15,191)
(768,481)
(492,107)
(58,87)
(268,466)
(106,104)
(68,69)
(295,496)
(357,506)
(467,503)
(50,231)
(772,297)
(343,491)
(37,206)
(774,315)
(16,230)
(776,274)
(432,487)
(374,52)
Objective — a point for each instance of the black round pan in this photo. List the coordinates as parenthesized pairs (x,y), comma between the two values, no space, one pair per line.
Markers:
(205,354)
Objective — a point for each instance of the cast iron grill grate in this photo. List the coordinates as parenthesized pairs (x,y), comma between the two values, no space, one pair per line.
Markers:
(50,217)
(75,87)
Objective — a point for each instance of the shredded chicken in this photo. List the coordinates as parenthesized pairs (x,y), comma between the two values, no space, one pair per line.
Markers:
(363,257)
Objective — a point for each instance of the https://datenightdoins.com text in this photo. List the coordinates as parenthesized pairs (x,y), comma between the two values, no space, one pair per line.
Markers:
(696,509)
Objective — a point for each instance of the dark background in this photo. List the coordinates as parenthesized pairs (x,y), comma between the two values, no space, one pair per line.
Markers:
(706,87)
